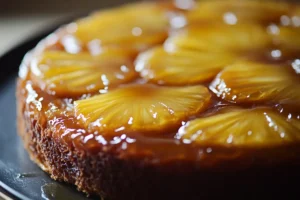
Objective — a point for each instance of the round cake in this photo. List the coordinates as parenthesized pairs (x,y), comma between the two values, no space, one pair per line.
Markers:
(181,100)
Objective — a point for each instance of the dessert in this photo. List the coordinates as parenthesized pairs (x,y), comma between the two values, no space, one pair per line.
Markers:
(168,100)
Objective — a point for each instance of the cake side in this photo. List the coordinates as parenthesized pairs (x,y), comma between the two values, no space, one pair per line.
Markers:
(112,177)
(157,100)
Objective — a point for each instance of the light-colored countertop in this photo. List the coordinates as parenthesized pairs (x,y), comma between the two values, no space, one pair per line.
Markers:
(16,29)
(20,19)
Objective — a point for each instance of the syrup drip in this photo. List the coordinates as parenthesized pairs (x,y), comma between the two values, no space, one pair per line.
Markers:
(60,117)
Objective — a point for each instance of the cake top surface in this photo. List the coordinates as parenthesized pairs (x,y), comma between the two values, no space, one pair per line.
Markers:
(206,81)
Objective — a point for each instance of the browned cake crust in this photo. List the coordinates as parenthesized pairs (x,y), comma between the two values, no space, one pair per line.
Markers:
(175,153)
(107,175)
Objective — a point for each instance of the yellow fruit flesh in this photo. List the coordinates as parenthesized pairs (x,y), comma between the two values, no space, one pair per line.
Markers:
(142,108)
(236,12)
(239,39)
(134,27)
(182,66)
(193,55)
(76,74)
(221,38)
(248,82)
(287,37)
(242,128)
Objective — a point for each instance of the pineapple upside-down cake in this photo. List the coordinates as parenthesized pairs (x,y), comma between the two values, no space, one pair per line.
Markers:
(182,99)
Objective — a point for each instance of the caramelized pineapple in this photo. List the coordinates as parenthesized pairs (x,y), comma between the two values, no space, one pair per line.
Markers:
(248,82)
(235,11)
(242,128)
(181,66)
(137,26)
(75,74)
(221,38)
(146,108)
(286,36)
(196,91)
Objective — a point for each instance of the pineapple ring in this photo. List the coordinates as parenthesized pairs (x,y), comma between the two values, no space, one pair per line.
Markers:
(138,26)
(247,82)
(220,38)
(233,11)
(286,36)
(181,66)
(238,38)
(146,108)
(75,74)
(242,127)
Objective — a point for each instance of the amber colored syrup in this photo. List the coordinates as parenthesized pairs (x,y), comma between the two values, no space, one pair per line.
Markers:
(59,114)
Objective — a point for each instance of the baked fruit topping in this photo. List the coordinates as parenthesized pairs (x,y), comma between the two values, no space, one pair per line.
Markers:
(249,82)
(220,38)
(235,12)
(146,108)
(76,74)
(137,27)
(285,37)
(168,100)
(239,127)
(240,39)
(181,66)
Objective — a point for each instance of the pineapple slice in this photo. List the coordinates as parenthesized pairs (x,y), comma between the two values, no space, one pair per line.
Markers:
(181,66)
(247,82)
(242,128)
(220,38)
(292,18)
(286,36)
(146,108)
(136,27)
(235,11)
(75,74)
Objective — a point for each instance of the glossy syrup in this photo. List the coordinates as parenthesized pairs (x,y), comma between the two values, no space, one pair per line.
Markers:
(58,112)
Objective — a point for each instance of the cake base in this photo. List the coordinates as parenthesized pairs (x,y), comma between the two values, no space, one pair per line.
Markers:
(112,177)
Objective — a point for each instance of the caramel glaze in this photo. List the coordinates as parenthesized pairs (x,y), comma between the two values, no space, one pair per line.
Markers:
(57,115)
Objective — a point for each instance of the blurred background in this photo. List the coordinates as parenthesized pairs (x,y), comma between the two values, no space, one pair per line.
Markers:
(21,19)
